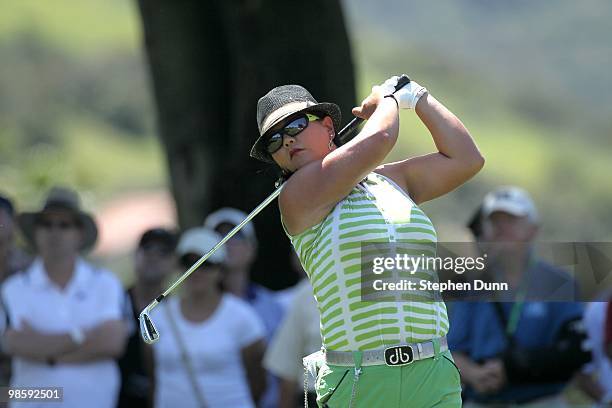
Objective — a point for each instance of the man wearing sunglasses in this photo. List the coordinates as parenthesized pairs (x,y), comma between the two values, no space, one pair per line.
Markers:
(66,327)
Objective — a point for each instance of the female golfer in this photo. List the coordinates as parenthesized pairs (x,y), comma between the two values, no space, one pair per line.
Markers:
(375,354)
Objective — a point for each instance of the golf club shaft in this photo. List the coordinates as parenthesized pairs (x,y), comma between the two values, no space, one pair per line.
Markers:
(346,134)
(230,234)
(347,131)
(148,331)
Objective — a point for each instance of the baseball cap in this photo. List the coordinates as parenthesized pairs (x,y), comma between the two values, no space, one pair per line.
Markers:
(161,236)
(512,200)
(199,241)
(231,216)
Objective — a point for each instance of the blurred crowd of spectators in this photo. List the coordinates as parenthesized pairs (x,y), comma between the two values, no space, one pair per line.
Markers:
(230,342)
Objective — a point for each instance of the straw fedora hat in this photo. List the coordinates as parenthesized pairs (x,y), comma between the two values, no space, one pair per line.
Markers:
(281,103)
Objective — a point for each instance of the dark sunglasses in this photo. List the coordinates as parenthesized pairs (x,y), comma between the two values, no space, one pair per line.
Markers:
(188,260)
(62,225)
(293,128)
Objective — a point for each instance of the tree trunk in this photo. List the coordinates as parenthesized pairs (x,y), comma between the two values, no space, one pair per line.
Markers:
(210,62)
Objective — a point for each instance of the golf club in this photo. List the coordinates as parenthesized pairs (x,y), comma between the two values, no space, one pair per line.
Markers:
(147,329)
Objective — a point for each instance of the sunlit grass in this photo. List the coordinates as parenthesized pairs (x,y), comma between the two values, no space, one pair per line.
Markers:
(517,151)
(109,160)
(89,156)
(564,172)
(78,26)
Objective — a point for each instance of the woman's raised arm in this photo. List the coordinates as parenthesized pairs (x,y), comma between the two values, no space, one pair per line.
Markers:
(315,188)
(456,161)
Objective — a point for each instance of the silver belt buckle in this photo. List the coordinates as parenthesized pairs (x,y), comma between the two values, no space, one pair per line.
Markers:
(399,355)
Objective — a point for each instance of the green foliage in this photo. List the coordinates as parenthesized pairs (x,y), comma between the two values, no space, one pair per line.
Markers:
(81,27)
(548,57)
(522,88)
(87,154)
(76,108)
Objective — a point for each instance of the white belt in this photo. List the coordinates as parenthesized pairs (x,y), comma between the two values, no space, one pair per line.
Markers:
(397,355)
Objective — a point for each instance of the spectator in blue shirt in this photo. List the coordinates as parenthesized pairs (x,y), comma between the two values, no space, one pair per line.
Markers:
(524,348)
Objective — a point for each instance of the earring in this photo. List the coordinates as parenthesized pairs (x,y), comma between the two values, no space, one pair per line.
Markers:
(331,142)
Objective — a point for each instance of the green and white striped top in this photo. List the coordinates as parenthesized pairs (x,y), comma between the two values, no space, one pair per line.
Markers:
(376,210)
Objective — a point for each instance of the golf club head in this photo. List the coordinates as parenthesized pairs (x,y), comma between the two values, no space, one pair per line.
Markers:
(147,329)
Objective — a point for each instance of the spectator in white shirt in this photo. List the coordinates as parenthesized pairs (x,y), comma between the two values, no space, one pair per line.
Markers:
(65,327)
(241,254)
(211,343)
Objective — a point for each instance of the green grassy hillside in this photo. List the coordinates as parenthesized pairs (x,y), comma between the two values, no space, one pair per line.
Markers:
(76,107)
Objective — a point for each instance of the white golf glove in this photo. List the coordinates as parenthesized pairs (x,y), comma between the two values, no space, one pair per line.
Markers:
(406,97)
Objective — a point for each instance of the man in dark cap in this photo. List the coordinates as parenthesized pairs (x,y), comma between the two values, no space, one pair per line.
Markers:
(154,261)
(65,325)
